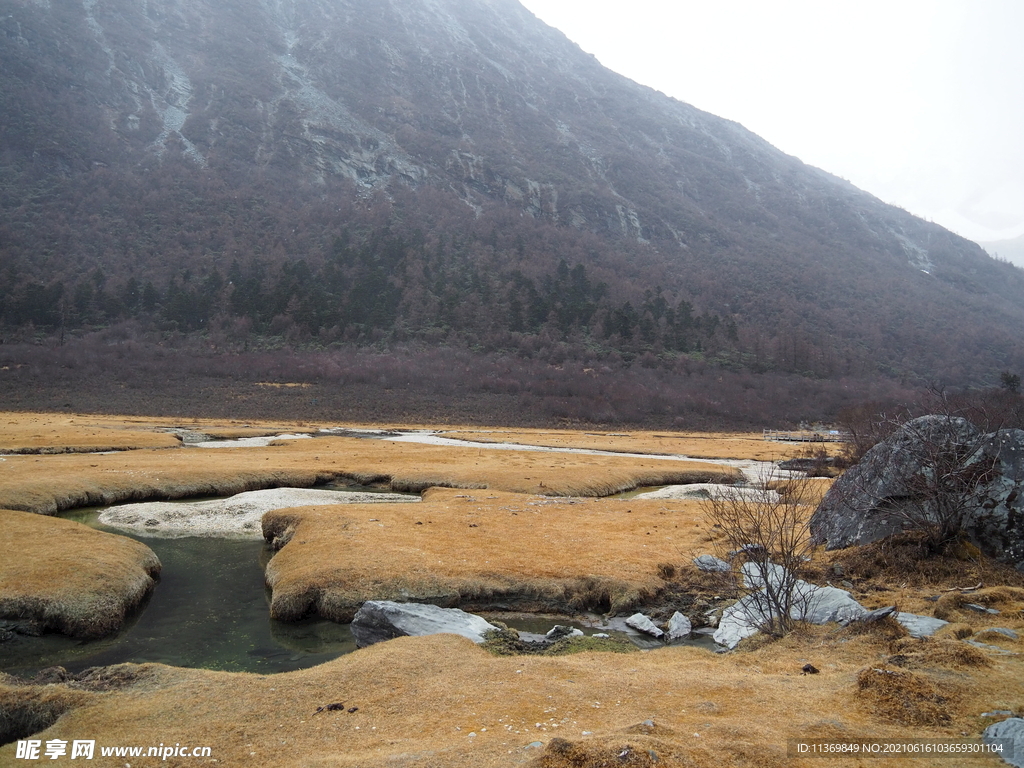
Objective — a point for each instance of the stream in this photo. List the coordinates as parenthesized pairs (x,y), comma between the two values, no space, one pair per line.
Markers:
(211,609)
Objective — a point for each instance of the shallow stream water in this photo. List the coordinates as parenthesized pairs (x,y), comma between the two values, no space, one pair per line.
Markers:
(210,609)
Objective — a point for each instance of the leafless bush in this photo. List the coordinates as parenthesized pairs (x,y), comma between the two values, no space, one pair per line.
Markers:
(764,529)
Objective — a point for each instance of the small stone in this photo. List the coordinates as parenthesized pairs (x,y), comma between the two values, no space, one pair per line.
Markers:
(601,635)
(559,631)
(534,745)
(710,564)
(877,614)
(981,609)
(920,626)
(1002,631)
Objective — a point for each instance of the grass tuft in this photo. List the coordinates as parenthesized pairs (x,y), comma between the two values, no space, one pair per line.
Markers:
(904,697)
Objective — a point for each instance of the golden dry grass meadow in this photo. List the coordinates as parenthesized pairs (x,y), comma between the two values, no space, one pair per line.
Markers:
(533,529)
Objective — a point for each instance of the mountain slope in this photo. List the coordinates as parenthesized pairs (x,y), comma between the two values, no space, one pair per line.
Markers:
(459,163)
(1011,250)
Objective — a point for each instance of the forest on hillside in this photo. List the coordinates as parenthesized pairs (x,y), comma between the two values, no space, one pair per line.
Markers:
(170,253)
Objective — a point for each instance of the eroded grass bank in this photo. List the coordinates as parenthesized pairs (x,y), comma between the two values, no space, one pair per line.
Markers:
(71,579)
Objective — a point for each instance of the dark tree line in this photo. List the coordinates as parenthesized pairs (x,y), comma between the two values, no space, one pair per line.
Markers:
(382,286)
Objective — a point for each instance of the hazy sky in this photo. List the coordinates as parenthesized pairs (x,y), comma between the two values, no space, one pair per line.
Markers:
(919,102)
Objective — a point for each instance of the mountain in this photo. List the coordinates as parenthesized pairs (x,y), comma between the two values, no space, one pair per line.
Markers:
(444,172)
(1011,250)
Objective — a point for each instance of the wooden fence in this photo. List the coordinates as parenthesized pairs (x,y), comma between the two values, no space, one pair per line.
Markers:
(806,436)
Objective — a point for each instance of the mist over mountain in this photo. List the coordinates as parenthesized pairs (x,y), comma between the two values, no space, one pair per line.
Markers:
(448,172)
(1011,250)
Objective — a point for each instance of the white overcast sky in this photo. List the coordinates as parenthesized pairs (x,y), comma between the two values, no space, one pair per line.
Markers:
(919,102)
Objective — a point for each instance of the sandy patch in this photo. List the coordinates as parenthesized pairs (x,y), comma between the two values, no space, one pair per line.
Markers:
(704,445)
(238,515)
(705,491)
(247,442)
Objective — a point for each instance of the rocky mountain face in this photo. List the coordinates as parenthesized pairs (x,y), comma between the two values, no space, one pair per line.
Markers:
(166,142)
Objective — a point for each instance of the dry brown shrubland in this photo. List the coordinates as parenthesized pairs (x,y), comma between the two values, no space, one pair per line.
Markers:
(952,606)
(933,653)
(908,698)
(70,578)
(904,560)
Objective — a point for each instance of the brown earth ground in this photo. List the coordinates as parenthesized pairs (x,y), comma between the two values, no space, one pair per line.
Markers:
(441,701)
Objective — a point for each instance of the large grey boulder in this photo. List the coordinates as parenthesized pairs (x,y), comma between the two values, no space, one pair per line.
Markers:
(379,620)
(810,603)
(883,494)
(1010,735)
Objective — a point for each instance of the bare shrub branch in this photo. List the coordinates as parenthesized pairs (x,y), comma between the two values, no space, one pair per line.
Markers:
(764,533)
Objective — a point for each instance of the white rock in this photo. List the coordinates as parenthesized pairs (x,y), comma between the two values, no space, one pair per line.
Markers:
(740,620)
(379,620)
(711,564)
(1012,731)
(559,631)
(811,603)
(641,623)
(679,626)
